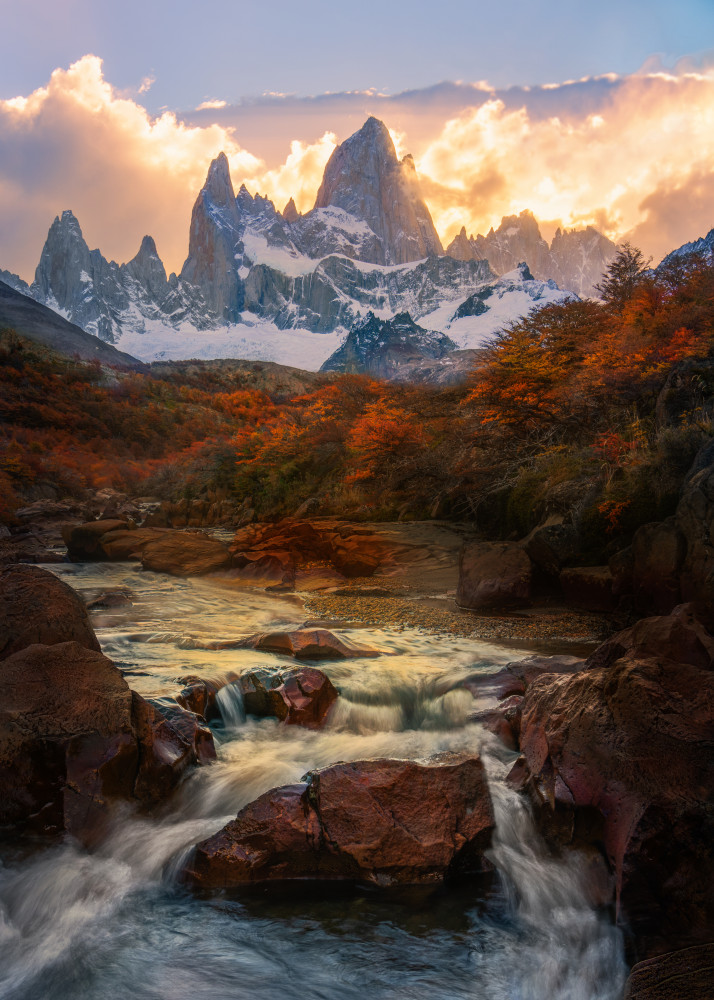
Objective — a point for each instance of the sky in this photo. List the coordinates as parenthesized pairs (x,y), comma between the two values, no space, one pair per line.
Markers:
(584,113)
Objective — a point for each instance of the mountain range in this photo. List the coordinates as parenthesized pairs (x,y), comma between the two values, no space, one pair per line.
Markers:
(288,287)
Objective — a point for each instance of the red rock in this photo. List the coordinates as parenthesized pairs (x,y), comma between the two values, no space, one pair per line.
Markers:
(37,607)
(631,739)
(185,554)
(192,728)
(298,545)
(301,696)
(75,741)
(309,644)
(165,752)
(83,541)
(120,546)
(66,740)
(379,821)
(494,575)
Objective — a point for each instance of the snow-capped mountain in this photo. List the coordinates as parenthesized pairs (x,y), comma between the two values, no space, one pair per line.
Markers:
(575,259)
(703,247)
(379,347)
(283,286)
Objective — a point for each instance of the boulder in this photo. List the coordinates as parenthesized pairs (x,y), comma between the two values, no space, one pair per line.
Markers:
(504,721)
(75,741)
(37,607)
(308,644)
(123,545)
(83,541)
(588,587)
(494,575)
(300,696)
(384,822)
(192,728)
(166,749)
(185,554)
(625,748)
(680,975)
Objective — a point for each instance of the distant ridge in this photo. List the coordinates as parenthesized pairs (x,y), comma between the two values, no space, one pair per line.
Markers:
(30,319)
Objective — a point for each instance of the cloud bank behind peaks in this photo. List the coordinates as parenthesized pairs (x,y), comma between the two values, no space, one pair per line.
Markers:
(631,155)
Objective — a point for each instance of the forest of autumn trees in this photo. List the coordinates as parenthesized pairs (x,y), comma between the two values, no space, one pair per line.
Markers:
(600,405)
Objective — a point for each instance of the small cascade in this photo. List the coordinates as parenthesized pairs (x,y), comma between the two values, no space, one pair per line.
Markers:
(564,949)
(229,701)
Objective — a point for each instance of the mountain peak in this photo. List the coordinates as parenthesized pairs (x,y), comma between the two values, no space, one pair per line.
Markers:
(290,212)
(219,186)
(365,178)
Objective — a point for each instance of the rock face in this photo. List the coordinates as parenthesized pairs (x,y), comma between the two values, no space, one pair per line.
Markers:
(185,554)
(625,749)
(673,560)
(364,178)
(37,607)
(680,975)
(575,259)
(380,821)
(380,347)
(214,239)
(75,741)
(494,575)
(31,319)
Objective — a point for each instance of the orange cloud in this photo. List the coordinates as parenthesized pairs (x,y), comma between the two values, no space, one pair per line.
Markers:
(77,143)
(632,156)
(653,135)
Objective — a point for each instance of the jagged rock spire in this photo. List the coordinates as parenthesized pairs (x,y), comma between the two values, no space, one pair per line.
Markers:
(365,178)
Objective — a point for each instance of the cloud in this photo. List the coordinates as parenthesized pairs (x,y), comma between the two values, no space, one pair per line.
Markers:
(299,177)
(648,145)
(77,143)
(211,105)
(631,155)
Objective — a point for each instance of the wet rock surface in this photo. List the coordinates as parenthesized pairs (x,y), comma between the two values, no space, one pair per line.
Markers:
(301,696)
(308,644)
(381,821)
(624,752)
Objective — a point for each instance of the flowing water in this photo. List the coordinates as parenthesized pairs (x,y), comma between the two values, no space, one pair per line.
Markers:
(116,924)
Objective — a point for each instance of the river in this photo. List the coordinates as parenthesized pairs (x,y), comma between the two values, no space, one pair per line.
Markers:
(116,923)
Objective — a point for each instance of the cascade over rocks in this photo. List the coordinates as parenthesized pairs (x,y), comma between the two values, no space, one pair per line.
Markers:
(75,742)
(37,607)
(300,696)
(381,821)
(625,749)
